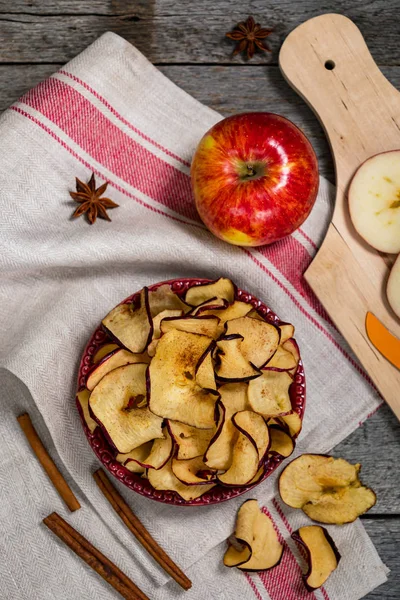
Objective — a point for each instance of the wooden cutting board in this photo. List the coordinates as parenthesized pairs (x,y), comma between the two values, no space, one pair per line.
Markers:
(327,62)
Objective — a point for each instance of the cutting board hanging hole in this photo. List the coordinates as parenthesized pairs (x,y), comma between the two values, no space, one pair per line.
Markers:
(330,65)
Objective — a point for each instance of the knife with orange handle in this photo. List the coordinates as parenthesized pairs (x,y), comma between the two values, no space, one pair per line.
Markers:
(384,341)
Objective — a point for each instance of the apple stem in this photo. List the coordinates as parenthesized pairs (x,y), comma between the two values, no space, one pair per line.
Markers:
(250,170)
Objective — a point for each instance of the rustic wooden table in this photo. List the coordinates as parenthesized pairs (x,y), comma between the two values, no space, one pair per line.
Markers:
(185,39)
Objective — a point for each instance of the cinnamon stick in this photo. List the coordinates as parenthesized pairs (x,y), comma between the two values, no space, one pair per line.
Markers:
(139,530)
(94,558)
(47,463)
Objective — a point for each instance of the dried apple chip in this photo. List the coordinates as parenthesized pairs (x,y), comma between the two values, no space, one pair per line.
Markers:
(205,376)
(293,422)
(269,394)
(164,479)
(287,331)
(221,288)
(163,298)
(282,360)
(253,424)
(112,361)
(132,460)
(212,303)
(193,471)
(342,506)
(83,399)
(322,555)
(255,315)
(219,453)
(160,453)
(173,391)
(113,403)
(208,326)
(190,441)
(256,546)
(233,311)
(168,313)
(231,365)
(103,351)
(281,442)
(260,339)
(131,325)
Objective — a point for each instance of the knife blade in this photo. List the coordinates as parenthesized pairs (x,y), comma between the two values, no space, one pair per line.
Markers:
(384,341)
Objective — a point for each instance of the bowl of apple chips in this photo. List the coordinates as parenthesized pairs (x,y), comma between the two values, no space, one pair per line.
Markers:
(191,391)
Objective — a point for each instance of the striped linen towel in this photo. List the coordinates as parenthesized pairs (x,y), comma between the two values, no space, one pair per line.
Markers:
(109,111)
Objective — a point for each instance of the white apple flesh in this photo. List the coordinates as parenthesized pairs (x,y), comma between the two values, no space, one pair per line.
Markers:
(393,287)
(374,201)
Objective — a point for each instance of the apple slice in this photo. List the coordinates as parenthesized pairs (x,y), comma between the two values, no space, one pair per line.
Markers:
(163,298)
(253,314)
(233,311)
(212,303)
(269,394)
(221,288)
(344,505)
(133,460)
(103,351)
(113,404)
(281,442)
(293,422)
(256,544)
(260,339)
(393,287)
(131,325)
(246,452)
(161,451)
(231,365)
(164,479)
(82,398)
(219,453)
(374,201)
(287,332)
(193,471)
(253,424)
(173,392)
(322,555)
(190,441)
(282,360)
(164,314)
(307,477)
(112,361)
(208,326)
(205,376)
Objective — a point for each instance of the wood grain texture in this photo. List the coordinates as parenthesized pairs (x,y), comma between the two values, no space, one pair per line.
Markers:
(360,112)
(385,535)
(169,31)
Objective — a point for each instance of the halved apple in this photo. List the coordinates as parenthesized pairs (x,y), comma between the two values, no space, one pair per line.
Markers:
(327,489)
(164,479)
(103,351)
(322,555)
(205,376)
(231,365)
(281,442)
(393,287)
(282,360)
(133,460)
(190,441)
(113,404)
(219,453)
(82,398)
(173,392)
(374,201)
(163,298)
(287,332)
(256,544)
(193,471)
(208,326)
(233,311)
(221,288)
(117,358)
(260,339)
(269,394)
(131,325)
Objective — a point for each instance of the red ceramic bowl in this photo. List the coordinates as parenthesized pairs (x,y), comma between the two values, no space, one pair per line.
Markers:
(106,453)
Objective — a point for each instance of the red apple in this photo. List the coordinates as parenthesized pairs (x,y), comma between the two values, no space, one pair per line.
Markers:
(255,178)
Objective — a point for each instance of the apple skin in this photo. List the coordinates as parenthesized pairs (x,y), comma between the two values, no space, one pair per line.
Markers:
(254,178)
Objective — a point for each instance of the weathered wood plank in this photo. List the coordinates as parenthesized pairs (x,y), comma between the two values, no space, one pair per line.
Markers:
(385,534)
(180,32)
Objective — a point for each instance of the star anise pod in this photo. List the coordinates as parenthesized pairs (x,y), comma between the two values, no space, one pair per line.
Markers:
(249,34)
(91,201)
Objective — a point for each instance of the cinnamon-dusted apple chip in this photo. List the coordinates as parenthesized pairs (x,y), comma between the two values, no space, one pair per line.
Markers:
(117,358)
(260,339)
(282,360)
(193,471)
(255,545)
(164,479)
(205,375)
(221,288)
(163,298)
(269,394)
(113,403)
(233,311)
(281,442)
(173,391)
(132,460)
(231,365)
(131,324)
(208,326)
(322,555)
(161,451)
(287,332)
(190,441)
(327,489)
